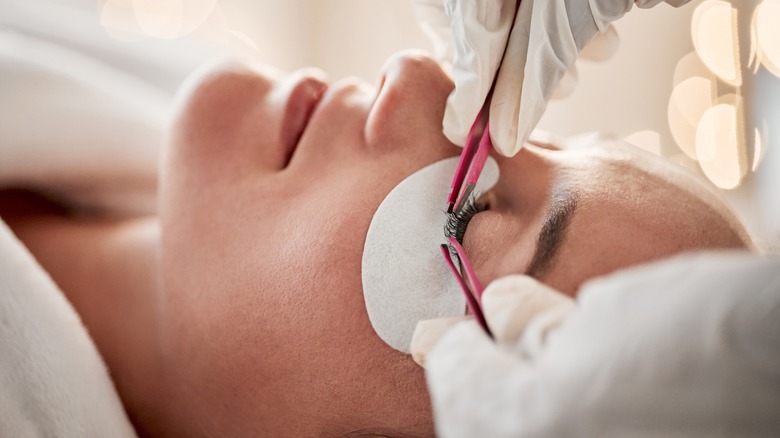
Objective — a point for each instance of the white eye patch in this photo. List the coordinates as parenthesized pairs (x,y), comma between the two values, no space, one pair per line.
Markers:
(405,279)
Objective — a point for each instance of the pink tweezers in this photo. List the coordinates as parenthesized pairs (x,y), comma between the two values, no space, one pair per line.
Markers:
(472,161)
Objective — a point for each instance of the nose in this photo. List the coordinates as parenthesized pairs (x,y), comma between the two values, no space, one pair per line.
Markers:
(410,105)
(408,65)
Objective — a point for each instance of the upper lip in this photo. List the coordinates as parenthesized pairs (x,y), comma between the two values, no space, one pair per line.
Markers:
(303,99)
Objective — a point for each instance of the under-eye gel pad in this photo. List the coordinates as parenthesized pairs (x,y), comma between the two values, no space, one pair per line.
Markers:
(405,278)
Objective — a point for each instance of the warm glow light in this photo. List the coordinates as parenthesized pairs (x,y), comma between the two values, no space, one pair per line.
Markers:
(766,27)
(171,18)
(131,20)
(647,140)
(717,145)
(689,66)
(714,35)
(160,18)
(116,17)
(758,150)
(688,102)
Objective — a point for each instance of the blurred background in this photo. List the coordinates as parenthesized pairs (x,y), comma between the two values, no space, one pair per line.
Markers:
(698,84)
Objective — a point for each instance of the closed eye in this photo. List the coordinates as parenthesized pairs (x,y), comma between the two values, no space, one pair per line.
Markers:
(458,220)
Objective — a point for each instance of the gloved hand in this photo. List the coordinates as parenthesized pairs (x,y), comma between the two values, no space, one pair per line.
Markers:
(683,347)
(540,48)
(519,310)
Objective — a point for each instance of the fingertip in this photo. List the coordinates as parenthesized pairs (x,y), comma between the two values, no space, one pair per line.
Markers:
(504,132)
(503,142)
(427,334)
(452,125)
(510,303)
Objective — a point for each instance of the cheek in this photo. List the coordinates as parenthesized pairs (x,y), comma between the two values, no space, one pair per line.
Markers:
(263,299)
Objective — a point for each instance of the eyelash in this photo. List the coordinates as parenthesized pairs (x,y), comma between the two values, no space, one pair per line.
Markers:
(458,221)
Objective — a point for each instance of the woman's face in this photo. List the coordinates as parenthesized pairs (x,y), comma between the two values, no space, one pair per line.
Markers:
(268,187)
(269,184)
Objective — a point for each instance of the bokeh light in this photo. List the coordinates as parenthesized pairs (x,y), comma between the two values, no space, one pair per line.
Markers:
(131,20)
(689,101)
(766,28)
(689,66)
(718,147)
(706,112)
(714,33)
(168,19)
(118,20)
(758,147)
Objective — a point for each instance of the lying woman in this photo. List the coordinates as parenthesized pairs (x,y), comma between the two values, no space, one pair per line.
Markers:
(237,309)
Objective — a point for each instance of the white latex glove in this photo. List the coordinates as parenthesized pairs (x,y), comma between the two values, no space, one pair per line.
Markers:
(684,347)
(540,48)
(510,304)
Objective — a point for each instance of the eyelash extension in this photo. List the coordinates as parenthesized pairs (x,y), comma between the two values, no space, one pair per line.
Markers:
(458,220)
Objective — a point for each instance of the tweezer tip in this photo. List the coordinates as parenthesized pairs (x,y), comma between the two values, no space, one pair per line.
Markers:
(464,196)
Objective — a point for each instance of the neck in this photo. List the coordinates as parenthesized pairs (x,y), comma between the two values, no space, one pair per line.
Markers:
(109,273)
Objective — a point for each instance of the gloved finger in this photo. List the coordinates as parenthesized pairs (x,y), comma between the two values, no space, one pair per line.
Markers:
(481,30)
(434,23)
(535,335)
(528,77)
(538,55)
(427,334)
(602,47)
(470,377)
(651,3)
(511,303)
(567,84)
(507,138)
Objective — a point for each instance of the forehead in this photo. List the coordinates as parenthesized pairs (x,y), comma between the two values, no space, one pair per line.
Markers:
(615,166)
(632,207)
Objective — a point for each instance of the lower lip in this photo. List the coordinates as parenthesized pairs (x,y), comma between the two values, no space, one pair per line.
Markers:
(304,97)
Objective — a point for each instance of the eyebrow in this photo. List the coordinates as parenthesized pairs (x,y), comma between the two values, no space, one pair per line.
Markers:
(556,223)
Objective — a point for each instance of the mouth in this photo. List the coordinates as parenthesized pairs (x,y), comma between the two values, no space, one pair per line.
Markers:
(304,97)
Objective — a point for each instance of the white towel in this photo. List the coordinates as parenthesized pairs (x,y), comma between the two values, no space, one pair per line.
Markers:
(76,128)
(54,383)
(73,124)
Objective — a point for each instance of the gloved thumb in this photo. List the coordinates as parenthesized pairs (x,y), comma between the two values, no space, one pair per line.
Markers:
(481,29)
(427,334)
(515,304)
(434,23)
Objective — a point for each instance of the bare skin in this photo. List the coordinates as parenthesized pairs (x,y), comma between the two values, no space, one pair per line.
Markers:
(238,310)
